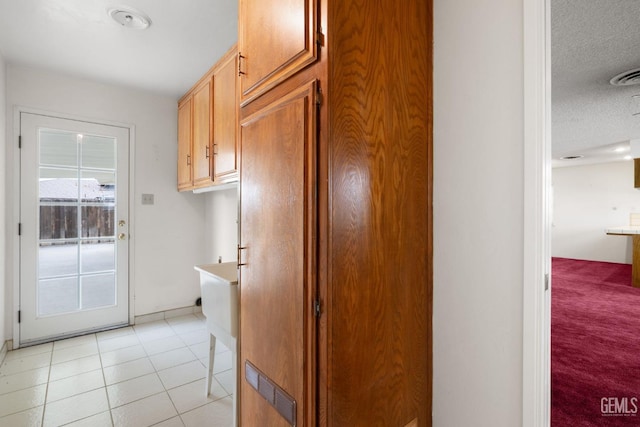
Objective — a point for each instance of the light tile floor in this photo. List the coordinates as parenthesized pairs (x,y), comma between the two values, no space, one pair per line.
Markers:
(148,374)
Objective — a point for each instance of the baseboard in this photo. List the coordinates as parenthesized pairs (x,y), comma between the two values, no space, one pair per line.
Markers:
(6,347)
(167,314)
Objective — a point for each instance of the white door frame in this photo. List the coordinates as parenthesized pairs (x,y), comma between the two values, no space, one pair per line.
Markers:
(536,351)
(15,214)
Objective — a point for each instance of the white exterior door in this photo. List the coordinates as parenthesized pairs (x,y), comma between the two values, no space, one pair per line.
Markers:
(74,216)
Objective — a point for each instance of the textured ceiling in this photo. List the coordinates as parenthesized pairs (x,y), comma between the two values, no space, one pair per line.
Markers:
(592,41)
(78,37)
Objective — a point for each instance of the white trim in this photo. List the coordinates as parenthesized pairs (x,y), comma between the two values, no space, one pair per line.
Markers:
(15,215)
(537,209)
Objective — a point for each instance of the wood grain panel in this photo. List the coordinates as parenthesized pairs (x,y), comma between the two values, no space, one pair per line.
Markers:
(277,177)
(202,117)
(184,145)
(276,39)
(225,113)
(380,243)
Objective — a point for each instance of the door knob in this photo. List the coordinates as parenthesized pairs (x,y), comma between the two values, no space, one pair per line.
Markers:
(121,223)
(121,236)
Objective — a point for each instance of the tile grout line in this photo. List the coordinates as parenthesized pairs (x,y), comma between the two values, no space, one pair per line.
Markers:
(104,380)
(46,390)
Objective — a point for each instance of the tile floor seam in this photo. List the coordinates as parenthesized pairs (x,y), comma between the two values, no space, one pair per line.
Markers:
(104,380)
(46,392)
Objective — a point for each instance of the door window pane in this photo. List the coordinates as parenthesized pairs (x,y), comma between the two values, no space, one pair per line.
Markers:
(98,187)
(98,290)
(98,152)
(57,296)
(58,185)
(58,148)
(98,256)
(98,221)
(57,259)
(58,222)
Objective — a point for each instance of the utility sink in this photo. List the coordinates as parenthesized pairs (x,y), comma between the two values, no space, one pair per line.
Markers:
(219,292)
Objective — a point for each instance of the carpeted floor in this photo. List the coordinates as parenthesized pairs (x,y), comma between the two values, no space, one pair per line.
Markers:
(595,344)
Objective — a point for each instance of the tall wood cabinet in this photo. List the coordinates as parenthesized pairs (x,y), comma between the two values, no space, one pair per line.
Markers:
(207,127)
(335,252)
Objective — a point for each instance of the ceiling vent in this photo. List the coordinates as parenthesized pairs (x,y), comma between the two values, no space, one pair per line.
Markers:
(631,77)
(571,157)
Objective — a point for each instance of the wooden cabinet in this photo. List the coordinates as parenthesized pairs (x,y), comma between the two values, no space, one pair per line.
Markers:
(276,39)
(184,145)
(225,117)
(207,127)
(336,218)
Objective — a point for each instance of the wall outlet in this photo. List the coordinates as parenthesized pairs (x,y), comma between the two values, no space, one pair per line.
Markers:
(147,199)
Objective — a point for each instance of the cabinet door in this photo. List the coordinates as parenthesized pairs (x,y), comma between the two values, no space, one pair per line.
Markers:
(225,117)
(277,280)
(276,39)
(202,163)
(184,145)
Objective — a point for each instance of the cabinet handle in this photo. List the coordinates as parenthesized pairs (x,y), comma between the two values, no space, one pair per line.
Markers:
(206,154)
(188,159)
(240,58)
(240,263)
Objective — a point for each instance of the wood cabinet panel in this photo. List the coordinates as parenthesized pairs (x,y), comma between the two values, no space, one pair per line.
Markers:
(225,116)
(184,145)
(276,40)
(380,213)
(277,177)
(202,121)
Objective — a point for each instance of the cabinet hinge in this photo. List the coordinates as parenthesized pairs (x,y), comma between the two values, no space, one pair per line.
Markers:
(19,141)
(319,97)
(319,38)
(316,308)
(546,282)
(19,229)
(19,316)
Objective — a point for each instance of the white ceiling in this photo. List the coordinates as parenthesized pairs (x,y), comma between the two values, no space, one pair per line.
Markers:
(78,37)
(591,42)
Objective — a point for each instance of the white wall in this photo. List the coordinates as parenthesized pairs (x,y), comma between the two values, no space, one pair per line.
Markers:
(167,236)
(221,232)
(586,200)
(478,213)
(3,200)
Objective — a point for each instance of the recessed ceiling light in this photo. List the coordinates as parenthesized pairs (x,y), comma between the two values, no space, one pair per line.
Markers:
(627,157)
(571,157)
(129,18)
(620,149)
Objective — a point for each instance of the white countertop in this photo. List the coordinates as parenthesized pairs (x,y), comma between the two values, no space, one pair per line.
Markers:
(225,271)
(626,230)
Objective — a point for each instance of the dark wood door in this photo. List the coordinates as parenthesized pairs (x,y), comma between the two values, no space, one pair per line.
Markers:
(277,285)
(276,39)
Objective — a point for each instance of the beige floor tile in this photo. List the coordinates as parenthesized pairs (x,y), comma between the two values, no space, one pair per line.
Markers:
(114,333)
(182,374)
(74,367)
(172,358)
(195,337)
(116,343)
(76,384)
(74,342)
(29,351)
(103,419)
(22,380)
(192,395)
(75,408)
(134,389)
(75,352)
(29,418)
(226,379)
(218,413)
(25,363)
(22,400)
(145,412)
(163,344)
(173,422)
(126,371)
(122,355)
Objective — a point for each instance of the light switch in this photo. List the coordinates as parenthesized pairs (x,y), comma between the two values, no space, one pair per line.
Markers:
(147,199)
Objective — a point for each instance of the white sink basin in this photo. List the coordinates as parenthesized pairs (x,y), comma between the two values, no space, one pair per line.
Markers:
(219,290)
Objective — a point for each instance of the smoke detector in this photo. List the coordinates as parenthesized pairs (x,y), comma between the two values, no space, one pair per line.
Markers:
(129,18)
(631,77)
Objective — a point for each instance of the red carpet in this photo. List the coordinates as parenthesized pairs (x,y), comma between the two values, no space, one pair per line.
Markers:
(595,344)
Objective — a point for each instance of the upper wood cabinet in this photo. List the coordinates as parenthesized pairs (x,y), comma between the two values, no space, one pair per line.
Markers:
(184,145)
(207,127)
(225,117)
(276,39)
